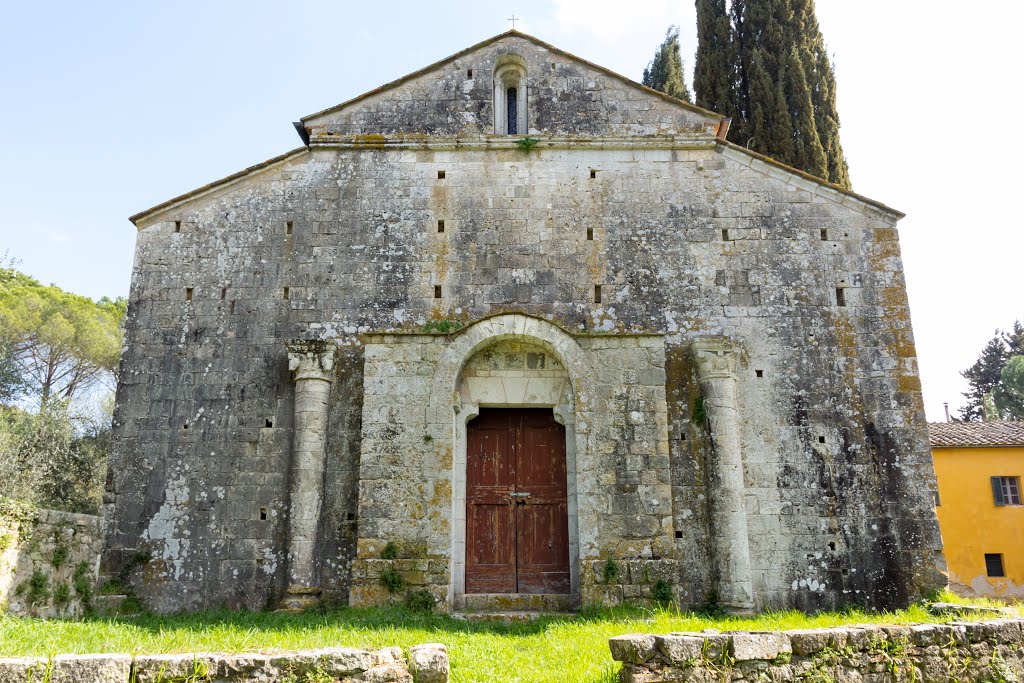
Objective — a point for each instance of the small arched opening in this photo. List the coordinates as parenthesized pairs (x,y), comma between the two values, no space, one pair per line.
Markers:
(510,95)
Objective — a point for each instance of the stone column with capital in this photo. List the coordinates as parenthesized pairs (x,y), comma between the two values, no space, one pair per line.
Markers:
(717,360)
(312,365)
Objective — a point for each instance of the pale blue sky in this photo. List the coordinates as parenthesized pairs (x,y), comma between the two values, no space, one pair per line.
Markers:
(110,108)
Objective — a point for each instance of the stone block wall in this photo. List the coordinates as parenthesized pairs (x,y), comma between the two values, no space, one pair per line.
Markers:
(425,664)
(927,653)
(48,561)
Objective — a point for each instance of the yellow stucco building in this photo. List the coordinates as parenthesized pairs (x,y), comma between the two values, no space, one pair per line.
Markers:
(979,467)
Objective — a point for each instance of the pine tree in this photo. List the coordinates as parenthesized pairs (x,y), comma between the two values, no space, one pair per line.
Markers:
(1008,395)
(665,72)
(713,75)
(984,376)
(1015,339)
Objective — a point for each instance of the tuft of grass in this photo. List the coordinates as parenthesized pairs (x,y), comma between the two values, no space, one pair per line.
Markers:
(420,600)
(390,551)
(549,650)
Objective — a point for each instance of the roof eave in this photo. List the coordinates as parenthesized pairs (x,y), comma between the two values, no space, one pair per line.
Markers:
(216,184)
(897,215)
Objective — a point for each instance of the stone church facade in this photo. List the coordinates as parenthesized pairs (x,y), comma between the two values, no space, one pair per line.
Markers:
(515,330)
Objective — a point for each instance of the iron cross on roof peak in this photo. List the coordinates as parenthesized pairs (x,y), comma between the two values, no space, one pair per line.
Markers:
(514,19)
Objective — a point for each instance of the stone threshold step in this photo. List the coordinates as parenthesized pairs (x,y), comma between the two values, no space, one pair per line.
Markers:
(512,617)
(517,602)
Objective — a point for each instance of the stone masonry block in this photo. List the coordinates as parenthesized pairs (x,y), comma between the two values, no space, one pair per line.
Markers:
(633,648)
(759,646)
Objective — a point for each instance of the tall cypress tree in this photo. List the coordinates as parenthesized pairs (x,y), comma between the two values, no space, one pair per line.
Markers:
(665,72)
(713,74)
(783,106)
(808,154)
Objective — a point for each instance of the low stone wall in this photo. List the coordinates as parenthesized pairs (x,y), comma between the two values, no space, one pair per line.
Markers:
(48,560)
(426,664)
(925,653)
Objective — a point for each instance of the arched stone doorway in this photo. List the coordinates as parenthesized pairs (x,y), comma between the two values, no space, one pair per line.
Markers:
(512,361)
(514,474)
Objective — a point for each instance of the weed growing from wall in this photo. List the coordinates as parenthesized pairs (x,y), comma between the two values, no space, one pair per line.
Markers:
(610,571)
(526,144)
(392,580)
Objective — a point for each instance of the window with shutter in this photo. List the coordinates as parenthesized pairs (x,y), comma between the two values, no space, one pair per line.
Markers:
(1006,490)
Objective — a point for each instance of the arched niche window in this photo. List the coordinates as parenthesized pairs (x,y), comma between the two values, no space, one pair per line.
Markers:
(510,95)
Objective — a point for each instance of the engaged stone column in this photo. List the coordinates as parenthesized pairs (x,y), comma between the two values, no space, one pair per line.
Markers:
(312,363)
(717,361)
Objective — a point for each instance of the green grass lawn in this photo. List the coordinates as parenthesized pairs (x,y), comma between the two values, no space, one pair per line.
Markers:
(547,650)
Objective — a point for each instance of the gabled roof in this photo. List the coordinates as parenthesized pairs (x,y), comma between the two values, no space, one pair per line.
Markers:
(975,434)
(536,41)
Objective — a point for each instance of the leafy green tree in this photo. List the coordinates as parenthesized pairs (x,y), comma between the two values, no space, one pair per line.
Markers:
(52,458)
(11,385)
(1008,395)
(62,343)
(987,372)
(714,70)
(665,72)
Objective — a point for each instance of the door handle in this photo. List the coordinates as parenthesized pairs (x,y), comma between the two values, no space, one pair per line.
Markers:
(519,496)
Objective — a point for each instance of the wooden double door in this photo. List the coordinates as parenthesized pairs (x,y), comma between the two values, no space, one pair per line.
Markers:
(517,522)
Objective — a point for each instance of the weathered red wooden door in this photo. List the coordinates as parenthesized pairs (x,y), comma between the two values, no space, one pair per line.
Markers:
(517,522)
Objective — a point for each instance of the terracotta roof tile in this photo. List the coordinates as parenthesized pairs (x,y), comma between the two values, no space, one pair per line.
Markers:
(968,434)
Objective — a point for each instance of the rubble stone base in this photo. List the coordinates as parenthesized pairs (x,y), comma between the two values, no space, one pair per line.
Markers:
(925,653)
(427,664)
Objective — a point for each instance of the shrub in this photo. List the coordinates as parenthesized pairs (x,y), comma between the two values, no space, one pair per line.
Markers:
(392,580)
(81,581)
(53,458)
(60,556)
(38,588)
(62,594)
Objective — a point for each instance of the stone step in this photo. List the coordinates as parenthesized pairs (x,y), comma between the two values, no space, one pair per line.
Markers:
(500,603)
(512,617)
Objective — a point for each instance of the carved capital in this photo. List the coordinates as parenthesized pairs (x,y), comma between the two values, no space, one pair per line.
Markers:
(717,358)
(311,360)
